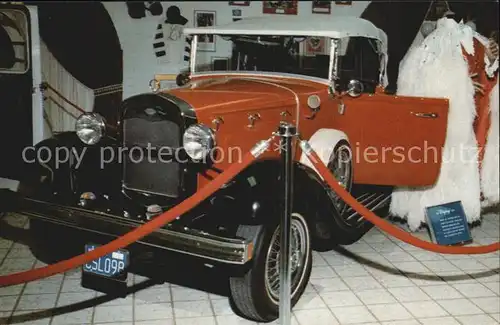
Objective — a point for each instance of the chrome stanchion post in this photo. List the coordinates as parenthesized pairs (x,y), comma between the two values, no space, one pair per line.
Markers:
(286,131)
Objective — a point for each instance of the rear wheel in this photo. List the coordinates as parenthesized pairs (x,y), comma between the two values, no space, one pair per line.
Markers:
(340,228)
(340,165)
(255,294)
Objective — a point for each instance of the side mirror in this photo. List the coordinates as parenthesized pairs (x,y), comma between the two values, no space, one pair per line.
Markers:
(355,88)
(314,103)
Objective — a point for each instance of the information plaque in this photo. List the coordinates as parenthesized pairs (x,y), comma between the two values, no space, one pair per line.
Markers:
(448,224)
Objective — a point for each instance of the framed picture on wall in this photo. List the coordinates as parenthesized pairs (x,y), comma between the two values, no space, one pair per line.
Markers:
(239,3)
(280,7)
(220,63)
(343,3)
(321,7)
(237,13)
(203,18)
(314,45)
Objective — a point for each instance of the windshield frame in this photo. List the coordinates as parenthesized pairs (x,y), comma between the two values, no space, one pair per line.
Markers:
(333,73)
(193,63)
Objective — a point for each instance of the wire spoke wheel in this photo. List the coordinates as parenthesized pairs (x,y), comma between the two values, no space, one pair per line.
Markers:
(255,293)
(340,166)
(299,250)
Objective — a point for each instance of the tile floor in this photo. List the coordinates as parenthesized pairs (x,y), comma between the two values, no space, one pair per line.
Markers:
(378,280)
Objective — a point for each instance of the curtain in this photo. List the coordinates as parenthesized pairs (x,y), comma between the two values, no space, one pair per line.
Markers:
(62,94)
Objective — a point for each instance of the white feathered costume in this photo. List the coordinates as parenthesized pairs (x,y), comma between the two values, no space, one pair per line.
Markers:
(438,68)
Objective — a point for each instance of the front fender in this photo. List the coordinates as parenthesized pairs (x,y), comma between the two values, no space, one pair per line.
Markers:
(255,196)
(45,168)
(323,142)
(65,166)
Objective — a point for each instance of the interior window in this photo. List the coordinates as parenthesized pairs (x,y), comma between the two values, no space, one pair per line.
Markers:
(14,41)
(301,55)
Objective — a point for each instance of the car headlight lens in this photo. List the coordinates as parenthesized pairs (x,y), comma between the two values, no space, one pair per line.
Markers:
(90,127)
(198,141)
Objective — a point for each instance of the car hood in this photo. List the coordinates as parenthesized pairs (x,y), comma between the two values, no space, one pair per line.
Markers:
(234,94)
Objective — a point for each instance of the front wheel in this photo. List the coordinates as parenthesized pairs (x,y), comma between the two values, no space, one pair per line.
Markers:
(256,293)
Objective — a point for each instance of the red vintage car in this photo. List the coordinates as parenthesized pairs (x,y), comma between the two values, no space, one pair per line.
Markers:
(325,75)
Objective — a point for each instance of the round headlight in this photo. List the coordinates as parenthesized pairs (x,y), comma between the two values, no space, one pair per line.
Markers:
(198,141)
(90,127)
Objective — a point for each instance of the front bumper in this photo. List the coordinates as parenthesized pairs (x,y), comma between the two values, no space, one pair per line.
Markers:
(188,241)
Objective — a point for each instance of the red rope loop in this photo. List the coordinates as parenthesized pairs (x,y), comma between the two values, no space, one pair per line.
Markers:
(383,224)
(46,85)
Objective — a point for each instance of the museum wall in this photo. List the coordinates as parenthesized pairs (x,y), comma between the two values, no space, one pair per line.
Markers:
(137,36)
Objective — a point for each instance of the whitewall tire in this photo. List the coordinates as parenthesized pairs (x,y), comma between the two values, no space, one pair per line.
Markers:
(255,294)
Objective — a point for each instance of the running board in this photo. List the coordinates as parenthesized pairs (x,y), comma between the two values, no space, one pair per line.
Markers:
(371,200)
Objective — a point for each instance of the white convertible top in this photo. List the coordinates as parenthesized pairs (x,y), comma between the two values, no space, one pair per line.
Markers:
(320,26)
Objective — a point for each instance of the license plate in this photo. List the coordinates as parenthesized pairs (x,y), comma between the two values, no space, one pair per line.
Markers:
(113,265)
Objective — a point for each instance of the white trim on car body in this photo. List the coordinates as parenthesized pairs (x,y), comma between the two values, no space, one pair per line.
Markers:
(323,142)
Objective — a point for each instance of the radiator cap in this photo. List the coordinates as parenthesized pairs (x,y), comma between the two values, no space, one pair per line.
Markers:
(153,210)
(86,198)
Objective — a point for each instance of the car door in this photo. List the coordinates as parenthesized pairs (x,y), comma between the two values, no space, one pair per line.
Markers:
(16,80)
(396,140)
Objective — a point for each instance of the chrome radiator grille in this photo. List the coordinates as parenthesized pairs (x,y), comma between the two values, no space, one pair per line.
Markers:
(144,169)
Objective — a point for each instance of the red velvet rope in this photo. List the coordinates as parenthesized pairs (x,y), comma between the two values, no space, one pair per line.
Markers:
(205,192)
(134,235)
(55,91)
(385,225)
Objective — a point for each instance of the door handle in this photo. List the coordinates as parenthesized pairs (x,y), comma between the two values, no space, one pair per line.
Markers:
(426,115)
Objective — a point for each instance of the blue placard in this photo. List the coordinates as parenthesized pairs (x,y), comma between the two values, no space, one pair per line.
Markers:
(448,224)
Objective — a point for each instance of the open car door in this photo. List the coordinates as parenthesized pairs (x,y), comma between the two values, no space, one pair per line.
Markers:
(395,140)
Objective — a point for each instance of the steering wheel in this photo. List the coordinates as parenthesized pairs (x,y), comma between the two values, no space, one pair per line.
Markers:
(342,83)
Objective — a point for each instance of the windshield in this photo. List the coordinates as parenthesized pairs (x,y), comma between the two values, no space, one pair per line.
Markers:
(14,41)
(307,56)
